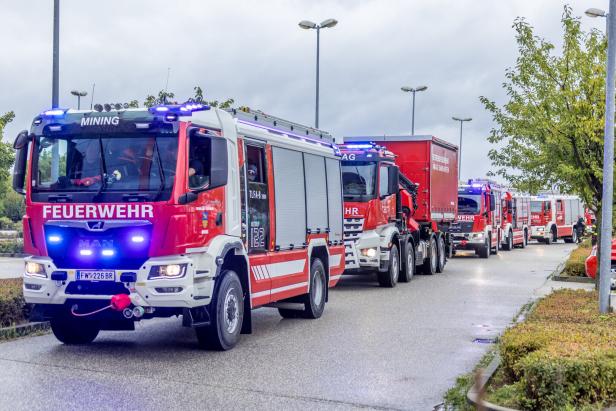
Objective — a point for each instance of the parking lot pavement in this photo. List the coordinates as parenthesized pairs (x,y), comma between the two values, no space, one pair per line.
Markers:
(11,267)
(395,348)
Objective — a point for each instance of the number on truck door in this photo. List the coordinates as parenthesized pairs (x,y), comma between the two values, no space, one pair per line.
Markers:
(256,198)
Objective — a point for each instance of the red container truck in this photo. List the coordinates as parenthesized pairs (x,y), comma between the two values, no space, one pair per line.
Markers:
(515,227)
(400,196)
(556,216)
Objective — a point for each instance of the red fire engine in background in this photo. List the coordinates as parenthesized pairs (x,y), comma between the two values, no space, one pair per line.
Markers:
(177,210)
(556,216)
(478,225)
(515,227)
(399,200)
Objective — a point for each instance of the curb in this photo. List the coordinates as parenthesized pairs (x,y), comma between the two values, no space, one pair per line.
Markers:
(14,255)
(573,279)
(23,329)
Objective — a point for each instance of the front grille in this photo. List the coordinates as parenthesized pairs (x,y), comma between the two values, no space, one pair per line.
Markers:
(461,227)
(96,288)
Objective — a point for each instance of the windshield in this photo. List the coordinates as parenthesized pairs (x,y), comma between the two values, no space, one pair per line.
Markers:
(104,163)
(358,178)
(536,206)
(469,204)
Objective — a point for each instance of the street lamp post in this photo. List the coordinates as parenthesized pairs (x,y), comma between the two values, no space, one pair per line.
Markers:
(608,159)
(461,120)
(307,25)
(56,54)
(79,95)
(413,90)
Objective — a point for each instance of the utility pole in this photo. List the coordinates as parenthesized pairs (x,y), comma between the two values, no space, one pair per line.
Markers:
(461,120)
(56,54)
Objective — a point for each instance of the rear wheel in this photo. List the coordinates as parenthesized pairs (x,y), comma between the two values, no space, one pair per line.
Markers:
(509,243)
(441,258)
(389,278)
(408,266)
(314,301)
(573,238)
(429,265)
(524,239)
(484,252)
(494,250)
(226,320)
(74,331)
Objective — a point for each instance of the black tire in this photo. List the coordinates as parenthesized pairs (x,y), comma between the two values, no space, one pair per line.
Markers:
(573,238)
(485,251)
(74,331)
(314,301)
(441,257)
(227,315)
(429,265)
(390,277)
(408,264)
(497,247)
(509,245)
(524,239)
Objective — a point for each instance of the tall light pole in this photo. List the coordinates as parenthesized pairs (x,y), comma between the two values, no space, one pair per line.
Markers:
(413,90)
(56,54)
(79,95)
(307,25)
(461,120)
(608,159)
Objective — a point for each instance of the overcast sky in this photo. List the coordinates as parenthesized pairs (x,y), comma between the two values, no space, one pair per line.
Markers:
(254,52)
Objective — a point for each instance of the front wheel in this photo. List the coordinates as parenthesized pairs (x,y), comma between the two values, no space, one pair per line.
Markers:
(484,252)
(509,244)
(525,239)
(74,331)
(389,278)
(226,319)
(429,265)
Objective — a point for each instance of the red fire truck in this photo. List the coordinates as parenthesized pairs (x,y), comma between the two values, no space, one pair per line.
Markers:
(515,227)
(180,209)
(399,199)
(555,216)
(478,225)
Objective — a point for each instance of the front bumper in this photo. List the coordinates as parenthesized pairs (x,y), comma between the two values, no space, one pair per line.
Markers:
(468,241)
(355,259)
(537,232)
(192,290)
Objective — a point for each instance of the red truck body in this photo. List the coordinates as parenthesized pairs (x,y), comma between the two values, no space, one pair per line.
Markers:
(556,216)
(515,227)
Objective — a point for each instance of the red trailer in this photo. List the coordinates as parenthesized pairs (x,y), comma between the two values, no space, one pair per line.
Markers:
(408,220)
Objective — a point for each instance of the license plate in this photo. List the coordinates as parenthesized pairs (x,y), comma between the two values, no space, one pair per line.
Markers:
(95,275)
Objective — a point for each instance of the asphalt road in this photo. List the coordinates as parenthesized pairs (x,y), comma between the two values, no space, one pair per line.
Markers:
(373,348)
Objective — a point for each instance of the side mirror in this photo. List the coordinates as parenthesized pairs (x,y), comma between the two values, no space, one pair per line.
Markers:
(492,202)
(393,180)
(188,197)
(219,163)
(21,144)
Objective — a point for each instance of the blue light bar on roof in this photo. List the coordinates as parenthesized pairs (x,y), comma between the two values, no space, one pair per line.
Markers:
(54,112)
(185,109)
(359,146)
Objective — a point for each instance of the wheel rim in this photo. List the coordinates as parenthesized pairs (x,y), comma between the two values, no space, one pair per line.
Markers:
(433,256)
(510,240)
(395,267)
(409,264)
(574,236)
(441,254)
(231,311)
(317,288)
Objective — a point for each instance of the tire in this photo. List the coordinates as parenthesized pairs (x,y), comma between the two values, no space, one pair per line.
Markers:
(74,331)
(408,265)
(496,249)
(314,301)
(549,239)
(524,239)
(573,238)
(486,250)
(390,277)
(429,265)
(509,245)
(226,319)
(441,257)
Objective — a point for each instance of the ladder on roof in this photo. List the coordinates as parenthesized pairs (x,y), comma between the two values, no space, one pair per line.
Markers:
(278,125)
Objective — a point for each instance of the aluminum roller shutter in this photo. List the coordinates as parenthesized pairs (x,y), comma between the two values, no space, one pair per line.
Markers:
(290,198)
(316,192)
(334,188)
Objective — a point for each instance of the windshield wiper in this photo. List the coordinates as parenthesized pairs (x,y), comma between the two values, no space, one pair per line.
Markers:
(161,171)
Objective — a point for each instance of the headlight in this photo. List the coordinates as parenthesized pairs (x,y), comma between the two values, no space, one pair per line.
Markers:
(368,252)
(477,236)
(167,271)
(35,269)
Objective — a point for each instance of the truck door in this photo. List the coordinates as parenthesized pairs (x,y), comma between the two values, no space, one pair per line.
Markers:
(256,212)
(560,212)
(388,199)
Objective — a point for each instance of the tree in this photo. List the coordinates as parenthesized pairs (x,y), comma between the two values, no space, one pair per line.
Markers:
(165,97)
(7,154)
(550,132)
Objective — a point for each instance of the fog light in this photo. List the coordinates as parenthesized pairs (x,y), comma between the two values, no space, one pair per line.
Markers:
(167,290)
(34,287)
(369,252)
(35,269)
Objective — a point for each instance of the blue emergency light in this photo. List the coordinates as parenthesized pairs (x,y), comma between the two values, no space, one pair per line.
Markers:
(185,109)
(359,146)
(55,112)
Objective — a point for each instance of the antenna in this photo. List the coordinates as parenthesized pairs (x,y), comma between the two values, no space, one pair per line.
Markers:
(92,95)
(167,81)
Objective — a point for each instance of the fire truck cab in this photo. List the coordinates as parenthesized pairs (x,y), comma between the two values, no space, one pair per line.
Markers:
(478,225)
(515,228)
(556,216)
(179,209)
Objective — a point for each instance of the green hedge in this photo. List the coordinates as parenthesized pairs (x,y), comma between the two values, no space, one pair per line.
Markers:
(13,307)
(12,246)
(562,357)
(574,266)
